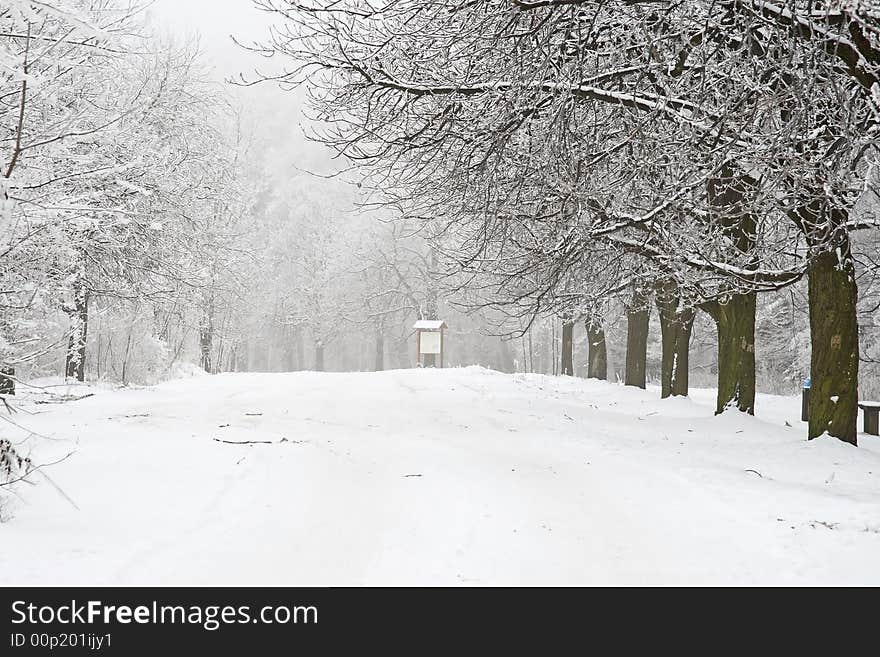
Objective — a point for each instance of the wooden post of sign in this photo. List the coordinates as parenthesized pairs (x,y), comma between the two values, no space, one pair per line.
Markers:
(419,349)
(442,336)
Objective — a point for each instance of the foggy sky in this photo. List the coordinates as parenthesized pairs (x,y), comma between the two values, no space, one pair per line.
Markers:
(213,21)
(275,116)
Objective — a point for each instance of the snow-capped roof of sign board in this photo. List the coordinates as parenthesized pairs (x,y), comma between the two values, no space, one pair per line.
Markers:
(430,325)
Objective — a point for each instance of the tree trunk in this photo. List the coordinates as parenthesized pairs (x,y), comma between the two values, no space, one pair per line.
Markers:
(637,325)
(834,339)
(127,352)
(531,353)
(735,321)
(288,337)
(7,379)
(568,348)
(403,360)
(206,344)
(597,366)
(380,350)
(432,297)
(319,356)
(300,349)
(507,364)
(676,324)
(243,364)
(834,330)
(75,363)
(98,357)
(730,194)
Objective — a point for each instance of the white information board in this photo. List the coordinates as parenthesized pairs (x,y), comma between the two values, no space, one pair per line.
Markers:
(430,342)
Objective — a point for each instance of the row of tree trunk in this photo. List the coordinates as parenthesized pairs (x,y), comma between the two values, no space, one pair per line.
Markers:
(834,361)
(676,324)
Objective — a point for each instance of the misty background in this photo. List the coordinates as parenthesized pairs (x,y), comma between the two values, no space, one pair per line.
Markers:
(311,278)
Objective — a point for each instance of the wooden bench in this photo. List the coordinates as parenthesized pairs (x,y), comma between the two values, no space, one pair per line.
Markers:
(872,417)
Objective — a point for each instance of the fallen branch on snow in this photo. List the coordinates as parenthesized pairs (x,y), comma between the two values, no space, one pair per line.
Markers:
(251,442)
(63,399)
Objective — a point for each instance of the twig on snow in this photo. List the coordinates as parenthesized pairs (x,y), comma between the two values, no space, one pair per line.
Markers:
(251,442)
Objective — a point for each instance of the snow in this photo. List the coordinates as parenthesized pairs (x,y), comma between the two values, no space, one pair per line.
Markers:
(446,477)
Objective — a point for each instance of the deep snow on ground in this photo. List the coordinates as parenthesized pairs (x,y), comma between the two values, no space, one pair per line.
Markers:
(417,477)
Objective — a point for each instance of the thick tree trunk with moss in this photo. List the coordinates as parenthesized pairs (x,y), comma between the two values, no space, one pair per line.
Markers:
(637,325)
(735,321)
(834,329)
(834,339)
(75,362)
(568,348)
(730,194)
(597,364)
(676,324)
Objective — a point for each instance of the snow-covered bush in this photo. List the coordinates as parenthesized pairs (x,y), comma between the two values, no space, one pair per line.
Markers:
(13,467)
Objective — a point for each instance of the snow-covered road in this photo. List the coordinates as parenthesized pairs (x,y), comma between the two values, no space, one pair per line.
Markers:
(461,476)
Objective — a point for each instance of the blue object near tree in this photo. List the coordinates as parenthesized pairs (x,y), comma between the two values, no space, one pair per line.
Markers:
(805,400)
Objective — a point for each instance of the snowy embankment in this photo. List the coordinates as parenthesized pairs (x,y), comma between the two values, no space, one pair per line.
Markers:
(436,477)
